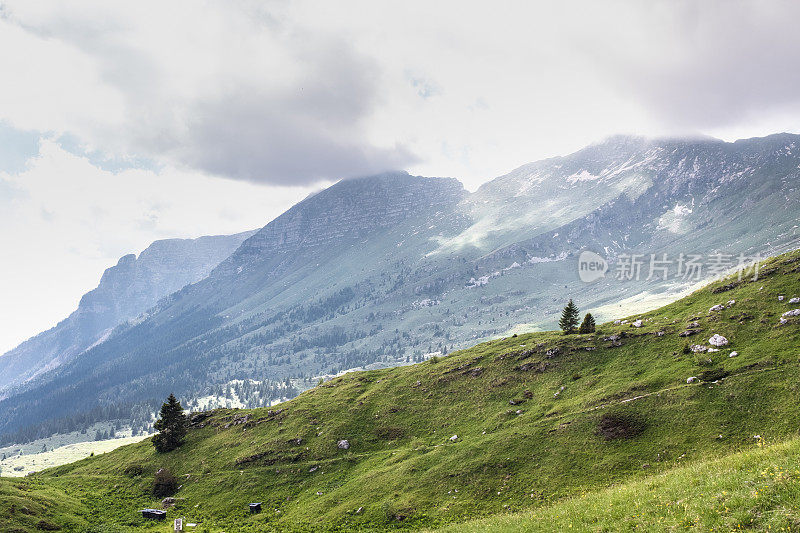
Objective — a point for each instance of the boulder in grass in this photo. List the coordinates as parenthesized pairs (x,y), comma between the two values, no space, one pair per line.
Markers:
(793,312)
(794,300)
(734,354)
(718,307)
(343,444)
(454,438)
(168,502)
(698,348)
(717,340)
(691,379)
(637,324)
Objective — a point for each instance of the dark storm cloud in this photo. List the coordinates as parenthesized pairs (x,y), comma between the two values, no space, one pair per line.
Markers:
(254,137)
(311,132)
(708,64)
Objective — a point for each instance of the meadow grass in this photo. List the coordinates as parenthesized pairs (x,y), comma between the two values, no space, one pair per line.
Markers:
(756,490)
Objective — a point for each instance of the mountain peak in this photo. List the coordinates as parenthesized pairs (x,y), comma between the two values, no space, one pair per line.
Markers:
(350,209)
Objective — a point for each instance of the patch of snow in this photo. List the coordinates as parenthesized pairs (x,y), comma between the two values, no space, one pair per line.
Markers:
(583,175)
(675,220)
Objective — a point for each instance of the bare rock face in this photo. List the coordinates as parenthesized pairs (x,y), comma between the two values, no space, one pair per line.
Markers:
(351,209)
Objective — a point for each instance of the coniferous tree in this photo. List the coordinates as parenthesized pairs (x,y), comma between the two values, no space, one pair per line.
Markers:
(171,426)
(588,325)
(569,318)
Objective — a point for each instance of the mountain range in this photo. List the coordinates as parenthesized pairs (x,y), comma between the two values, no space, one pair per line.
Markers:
(126,290)
(389,269)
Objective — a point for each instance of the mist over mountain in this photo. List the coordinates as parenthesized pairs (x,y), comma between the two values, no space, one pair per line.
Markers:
(127,289)
(385,270)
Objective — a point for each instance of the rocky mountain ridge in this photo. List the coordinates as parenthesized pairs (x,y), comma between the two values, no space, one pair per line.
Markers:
(125,290)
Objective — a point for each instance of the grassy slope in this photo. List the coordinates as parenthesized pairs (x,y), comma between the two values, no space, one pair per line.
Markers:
(402,469)
(753,490)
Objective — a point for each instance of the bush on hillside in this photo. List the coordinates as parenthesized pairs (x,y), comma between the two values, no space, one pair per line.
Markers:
(613,426)
(164,483)
(134,470)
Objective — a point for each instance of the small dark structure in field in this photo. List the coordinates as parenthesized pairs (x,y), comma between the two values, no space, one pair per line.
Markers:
(255,507)
(153,514)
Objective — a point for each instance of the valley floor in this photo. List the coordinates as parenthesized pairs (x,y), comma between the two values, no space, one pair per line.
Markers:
(22,465)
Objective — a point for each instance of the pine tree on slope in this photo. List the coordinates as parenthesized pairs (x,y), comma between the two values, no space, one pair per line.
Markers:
(569,318)
(171,426)
(588,325)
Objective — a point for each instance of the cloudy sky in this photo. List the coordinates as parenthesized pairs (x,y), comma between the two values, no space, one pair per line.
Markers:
(126,122)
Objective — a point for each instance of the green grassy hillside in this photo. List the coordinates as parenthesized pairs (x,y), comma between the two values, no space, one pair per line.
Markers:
(538,418)
(756,490)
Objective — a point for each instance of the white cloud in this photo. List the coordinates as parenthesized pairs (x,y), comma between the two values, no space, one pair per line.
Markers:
(234,89)
(294,92)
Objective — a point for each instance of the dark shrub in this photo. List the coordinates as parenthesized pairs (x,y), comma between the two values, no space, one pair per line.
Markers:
(44,525)
(134,470)
(713,374)
(164,483)
(389,433)
(613,426)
